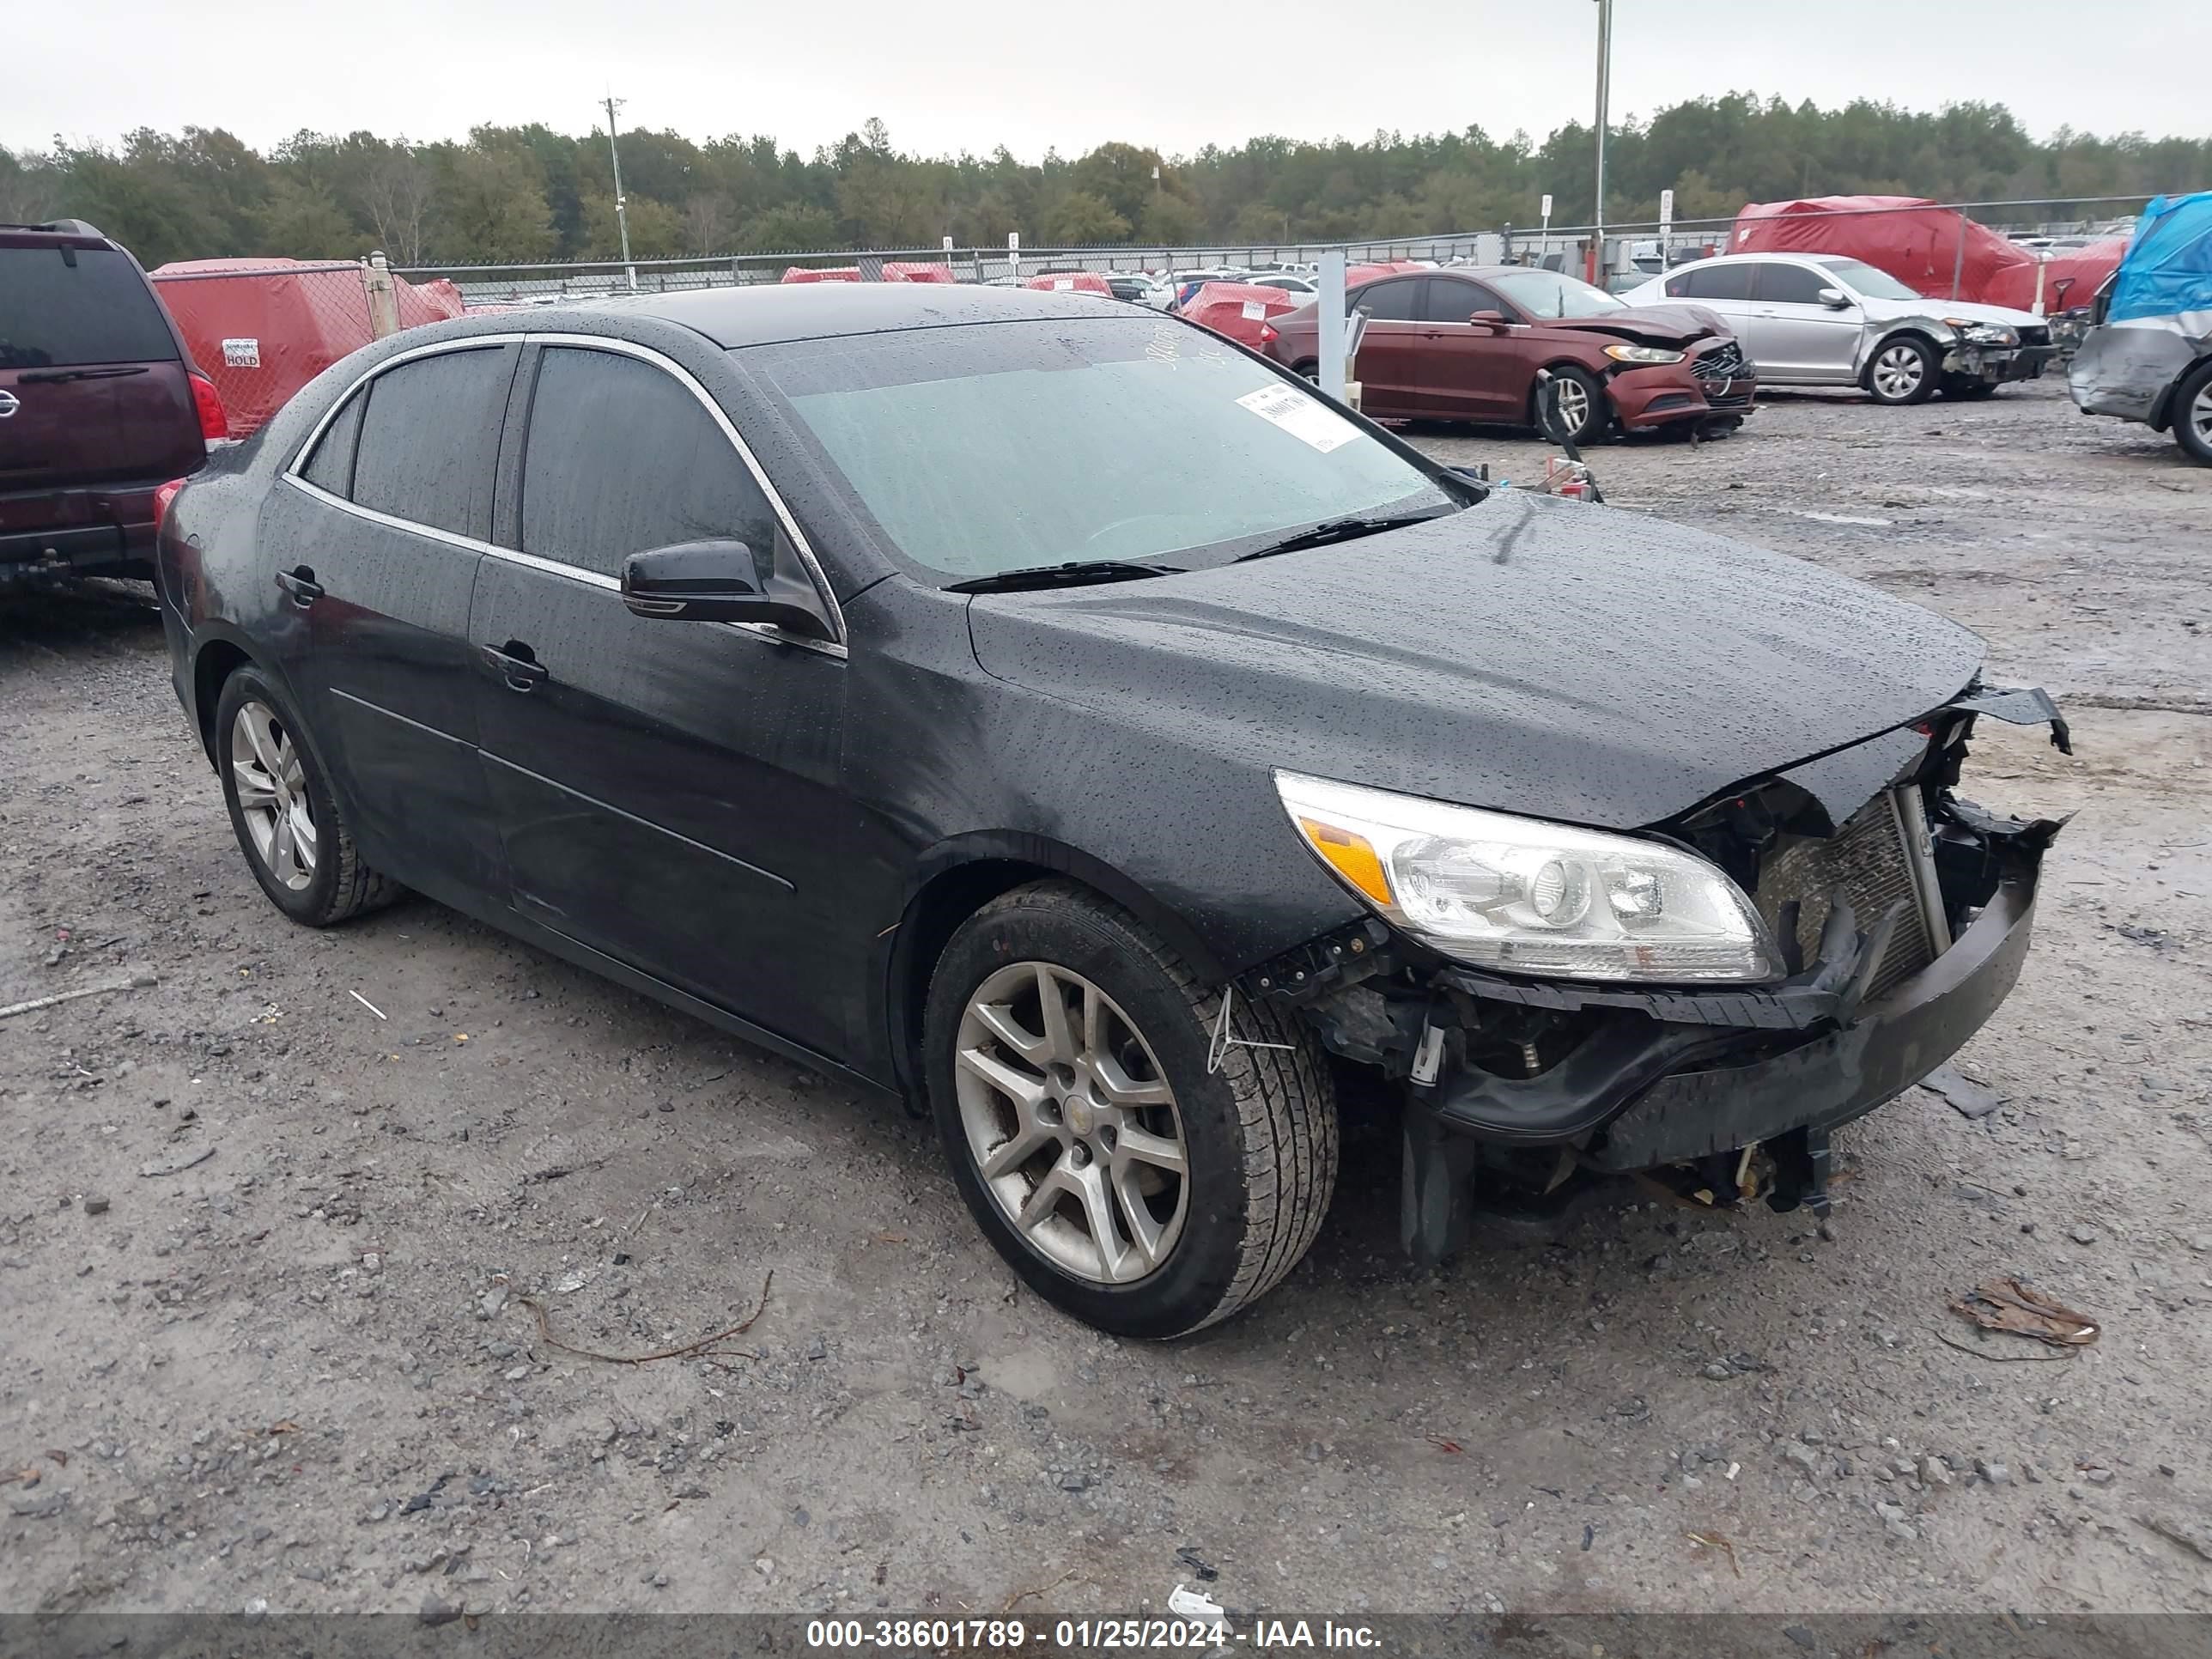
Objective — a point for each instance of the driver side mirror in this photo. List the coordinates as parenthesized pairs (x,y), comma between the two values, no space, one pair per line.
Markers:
(1495,321)
(717,582)
(1835,299)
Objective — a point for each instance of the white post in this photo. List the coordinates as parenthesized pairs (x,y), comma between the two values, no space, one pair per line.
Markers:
(1604,92)
(2042,258)
(1329,279)
(1666,224)
(1014,254)
(1544,240)
(383,297)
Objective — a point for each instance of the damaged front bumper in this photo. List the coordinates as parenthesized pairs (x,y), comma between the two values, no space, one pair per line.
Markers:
(1903,919)
(1997,365)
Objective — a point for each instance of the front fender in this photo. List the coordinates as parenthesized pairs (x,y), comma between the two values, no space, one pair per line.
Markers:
(1875,335)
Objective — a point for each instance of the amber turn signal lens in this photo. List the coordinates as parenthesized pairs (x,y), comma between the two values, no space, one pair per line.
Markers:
(1351,856)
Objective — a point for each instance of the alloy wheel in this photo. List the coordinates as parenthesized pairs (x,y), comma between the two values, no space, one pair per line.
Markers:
(1570,406)
(2200,413)
(1897,372)
(272,795)
(1072,1123)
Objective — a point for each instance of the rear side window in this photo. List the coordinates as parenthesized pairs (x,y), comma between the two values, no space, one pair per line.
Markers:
(1705,282)
(331,467)
(60,306)
(429,438)
(1789,285)
(623,457)
(1391,302)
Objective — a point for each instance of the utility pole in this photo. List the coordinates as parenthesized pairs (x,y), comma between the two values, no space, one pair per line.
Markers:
(621,208)
(1604,90)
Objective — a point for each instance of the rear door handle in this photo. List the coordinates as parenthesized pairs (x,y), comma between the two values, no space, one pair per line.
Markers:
(517,665)
(301,584)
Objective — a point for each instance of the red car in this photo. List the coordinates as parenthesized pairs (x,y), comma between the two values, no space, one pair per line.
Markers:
(1466,343)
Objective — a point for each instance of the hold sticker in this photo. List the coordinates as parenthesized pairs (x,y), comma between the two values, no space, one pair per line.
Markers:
(241,354)
(1254,312)
(1300,416)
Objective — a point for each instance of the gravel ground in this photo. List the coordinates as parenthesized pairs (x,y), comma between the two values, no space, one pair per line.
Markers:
(264,1255)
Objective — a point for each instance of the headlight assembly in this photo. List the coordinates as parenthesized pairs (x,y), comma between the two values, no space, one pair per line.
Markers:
(1526,897)
(1974,333)
(1639,354)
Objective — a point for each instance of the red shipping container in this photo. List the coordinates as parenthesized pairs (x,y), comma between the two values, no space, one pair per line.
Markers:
(261,329)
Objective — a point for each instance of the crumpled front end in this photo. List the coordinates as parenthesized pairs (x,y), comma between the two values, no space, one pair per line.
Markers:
(1902,913)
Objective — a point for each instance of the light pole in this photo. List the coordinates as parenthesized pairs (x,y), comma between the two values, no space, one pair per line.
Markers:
(1604,88)
(621,208)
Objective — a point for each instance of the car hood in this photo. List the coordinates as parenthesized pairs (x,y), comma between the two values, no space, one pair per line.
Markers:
(1552,659)
(1886,311)
(1659,325)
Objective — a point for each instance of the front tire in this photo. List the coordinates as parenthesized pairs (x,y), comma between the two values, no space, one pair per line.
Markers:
(1905,370)
(282,809)
(1572,408)
(2193,415)
(1064,1048)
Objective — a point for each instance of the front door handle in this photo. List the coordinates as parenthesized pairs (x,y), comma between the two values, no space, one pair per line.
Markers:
(517,665)
(300,582)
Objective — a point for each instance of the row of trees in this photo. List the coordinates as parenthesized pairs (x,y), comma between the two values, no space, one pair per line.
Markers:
(514,195)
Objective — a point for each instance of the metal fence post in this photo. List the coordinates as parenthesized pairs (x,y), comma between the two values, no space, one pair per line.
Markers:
(383,297)
(1959,260)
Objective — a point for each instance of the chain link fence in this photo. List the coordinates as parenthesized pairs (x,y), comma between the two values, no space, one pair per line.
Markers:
(262,332)
(484,286)
(2045,231)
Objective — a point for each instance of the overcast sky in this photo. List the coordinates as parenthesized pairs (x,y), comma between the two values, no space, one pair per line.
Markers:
(1064,73)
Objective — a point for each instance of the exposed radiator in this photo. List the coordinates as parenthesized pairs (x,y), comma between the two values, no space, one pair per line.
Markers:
(1879,858)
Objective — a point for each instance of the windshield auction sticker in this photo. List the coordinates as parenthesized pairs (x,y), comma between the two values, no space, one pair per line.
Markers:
(1309,422)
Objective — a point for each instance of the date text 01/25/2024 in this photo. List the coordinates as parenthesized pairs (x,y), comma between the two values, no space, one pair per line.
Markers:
(1086,1636)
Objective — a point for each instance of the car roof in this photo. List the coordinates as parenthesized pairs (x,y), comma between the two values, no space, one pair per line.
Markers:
(59,232)
(766,312)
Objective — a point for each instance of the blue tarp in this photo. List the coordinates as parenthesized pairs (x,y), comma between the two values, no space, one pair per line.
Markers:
(2167,269)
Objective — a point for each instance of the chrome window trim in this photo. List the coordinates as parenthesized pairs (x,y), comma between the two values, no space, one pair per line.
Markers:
(767,632)
(292,472)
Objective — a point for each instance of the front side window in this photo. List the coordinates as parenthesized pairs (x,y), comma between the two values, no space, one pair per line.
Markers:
(1789,285)
(1453,299)
(1873,283)
(1397,301)
(429,438)
(993,447)
(622,458)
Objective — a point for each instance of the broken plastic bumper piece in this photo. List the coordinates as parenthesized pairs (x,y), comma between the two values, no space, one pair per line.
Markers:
(1671,1077)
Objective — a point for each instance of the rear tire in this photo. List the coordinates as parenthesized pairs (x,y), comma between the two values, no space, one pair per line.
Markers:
(282,809)
(1905,370)
(2192,414)
(1255,1138)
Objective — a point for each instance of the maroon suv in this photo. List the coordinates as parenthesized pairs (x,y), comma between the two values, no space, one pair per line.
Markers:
(1467,343)
(100,404)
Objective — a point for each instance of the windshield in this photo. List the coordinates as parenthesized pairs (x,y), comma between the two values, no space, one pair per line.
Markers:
(1872,284)
(993,447)
(1553,294)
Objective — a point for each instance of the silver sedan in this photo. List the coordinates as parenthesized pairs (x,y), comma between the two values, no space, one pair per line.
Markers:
(1826,320)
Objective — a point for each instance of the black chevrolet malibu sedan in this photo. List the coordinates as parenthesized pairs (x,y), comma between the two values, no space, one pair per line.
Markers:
(1051,714)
